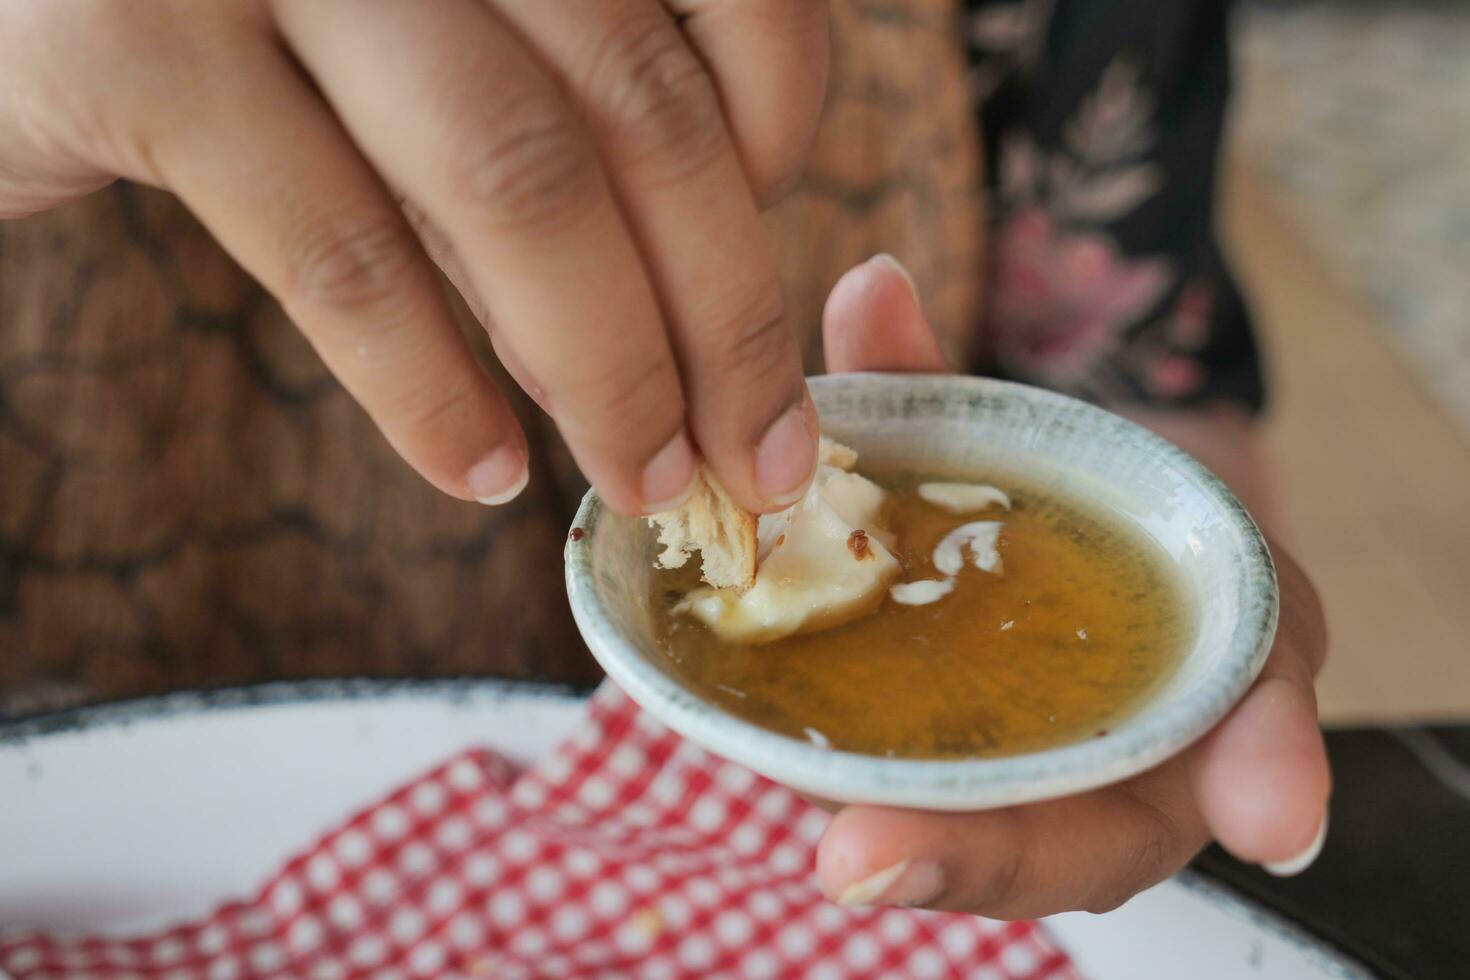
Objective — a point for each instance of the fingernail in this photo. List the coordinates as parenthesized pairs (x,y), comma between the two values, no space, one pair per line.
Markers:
(668,479)
(500,476)
(786,457)
(1303,861)
(889,262)
(904,883)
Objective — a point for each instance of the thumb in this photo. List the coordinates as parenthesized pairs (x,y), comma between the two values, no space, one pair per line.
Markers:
(873,322)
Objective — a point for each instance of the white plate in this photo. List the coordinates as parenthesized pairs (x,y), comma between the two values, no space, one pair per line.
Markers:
(134,816)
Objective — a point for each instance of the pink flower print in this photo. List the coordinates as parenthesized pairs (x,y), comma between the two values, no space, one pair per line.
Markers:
(1059,300)
(1173,376)
(1189,327)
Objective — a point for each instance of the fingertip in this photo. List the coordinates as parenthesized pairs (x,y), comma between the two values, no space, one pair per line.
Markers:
(1304,858)
(1263,779)
(637,486)
(873,321)
(786,457)
(875,289)
(845,854)
(835,865)
(668,477)
(868,857)
(470,445)
(499,476)
(886,262)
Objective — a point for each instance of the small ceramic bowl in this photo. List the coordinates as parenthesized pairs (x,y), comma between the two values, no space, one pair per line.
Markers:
(954,424)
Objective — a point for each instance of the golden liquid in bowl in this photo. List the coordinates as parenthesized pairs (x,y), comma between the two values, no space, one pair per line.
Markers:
(1085,622)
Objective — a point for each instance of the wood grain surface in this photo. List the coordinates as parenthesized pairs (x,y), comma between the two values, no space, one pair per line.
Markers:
(188,499)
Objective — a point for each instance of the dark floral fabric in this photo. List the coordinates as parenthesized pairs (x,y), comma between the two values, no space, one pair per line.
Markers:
(1102,123)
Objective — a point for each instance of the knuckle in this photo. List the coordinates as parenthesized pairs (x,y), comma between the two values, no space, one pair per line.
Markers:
(1005,884)
(1145,862)
(755,341)
(638,396)
(997,883)
(352,266)
(442,409)
(774,174)
(527,166)
(656,96)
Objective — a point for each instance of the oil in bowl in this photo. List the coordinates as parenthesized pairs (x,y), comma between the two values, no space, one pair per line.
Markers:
(1084,620)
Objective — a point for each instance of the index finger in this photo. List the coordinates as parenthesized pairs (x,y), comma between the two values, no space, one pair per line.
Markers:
(447,102)
(658,123)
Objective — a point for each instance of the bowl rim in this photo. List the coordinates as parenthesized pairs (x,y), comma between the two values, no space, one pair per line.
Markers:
(956,784)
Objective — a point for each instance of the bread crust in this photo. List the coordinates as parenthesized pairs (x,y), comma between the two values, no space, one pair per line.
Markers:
(712,524)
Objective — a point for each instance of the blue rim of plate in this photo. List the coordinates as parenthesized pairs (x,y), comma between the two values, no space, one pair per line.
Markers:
(123,712)
(1328,951)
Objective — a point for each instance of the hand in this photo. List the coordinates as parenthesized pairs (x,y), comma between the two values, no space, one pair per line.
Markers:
(1258,783)
(588,173)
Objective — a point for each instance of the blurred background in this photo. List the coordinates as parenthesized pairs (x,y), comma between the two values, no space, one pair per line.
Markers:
(1348,216)
(1347,213)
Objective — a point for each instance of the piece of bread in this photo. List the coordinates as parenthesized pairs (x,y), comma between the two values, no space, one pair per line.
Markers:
(830,452)
(712,524)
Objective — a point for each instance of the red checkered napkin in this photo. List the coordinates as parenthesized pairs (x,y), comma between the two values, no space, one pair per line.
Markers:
(627,853)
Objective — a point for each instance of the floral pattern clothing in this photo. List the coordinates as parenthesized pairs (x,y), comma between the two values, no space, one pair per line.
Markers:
(1101,123)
